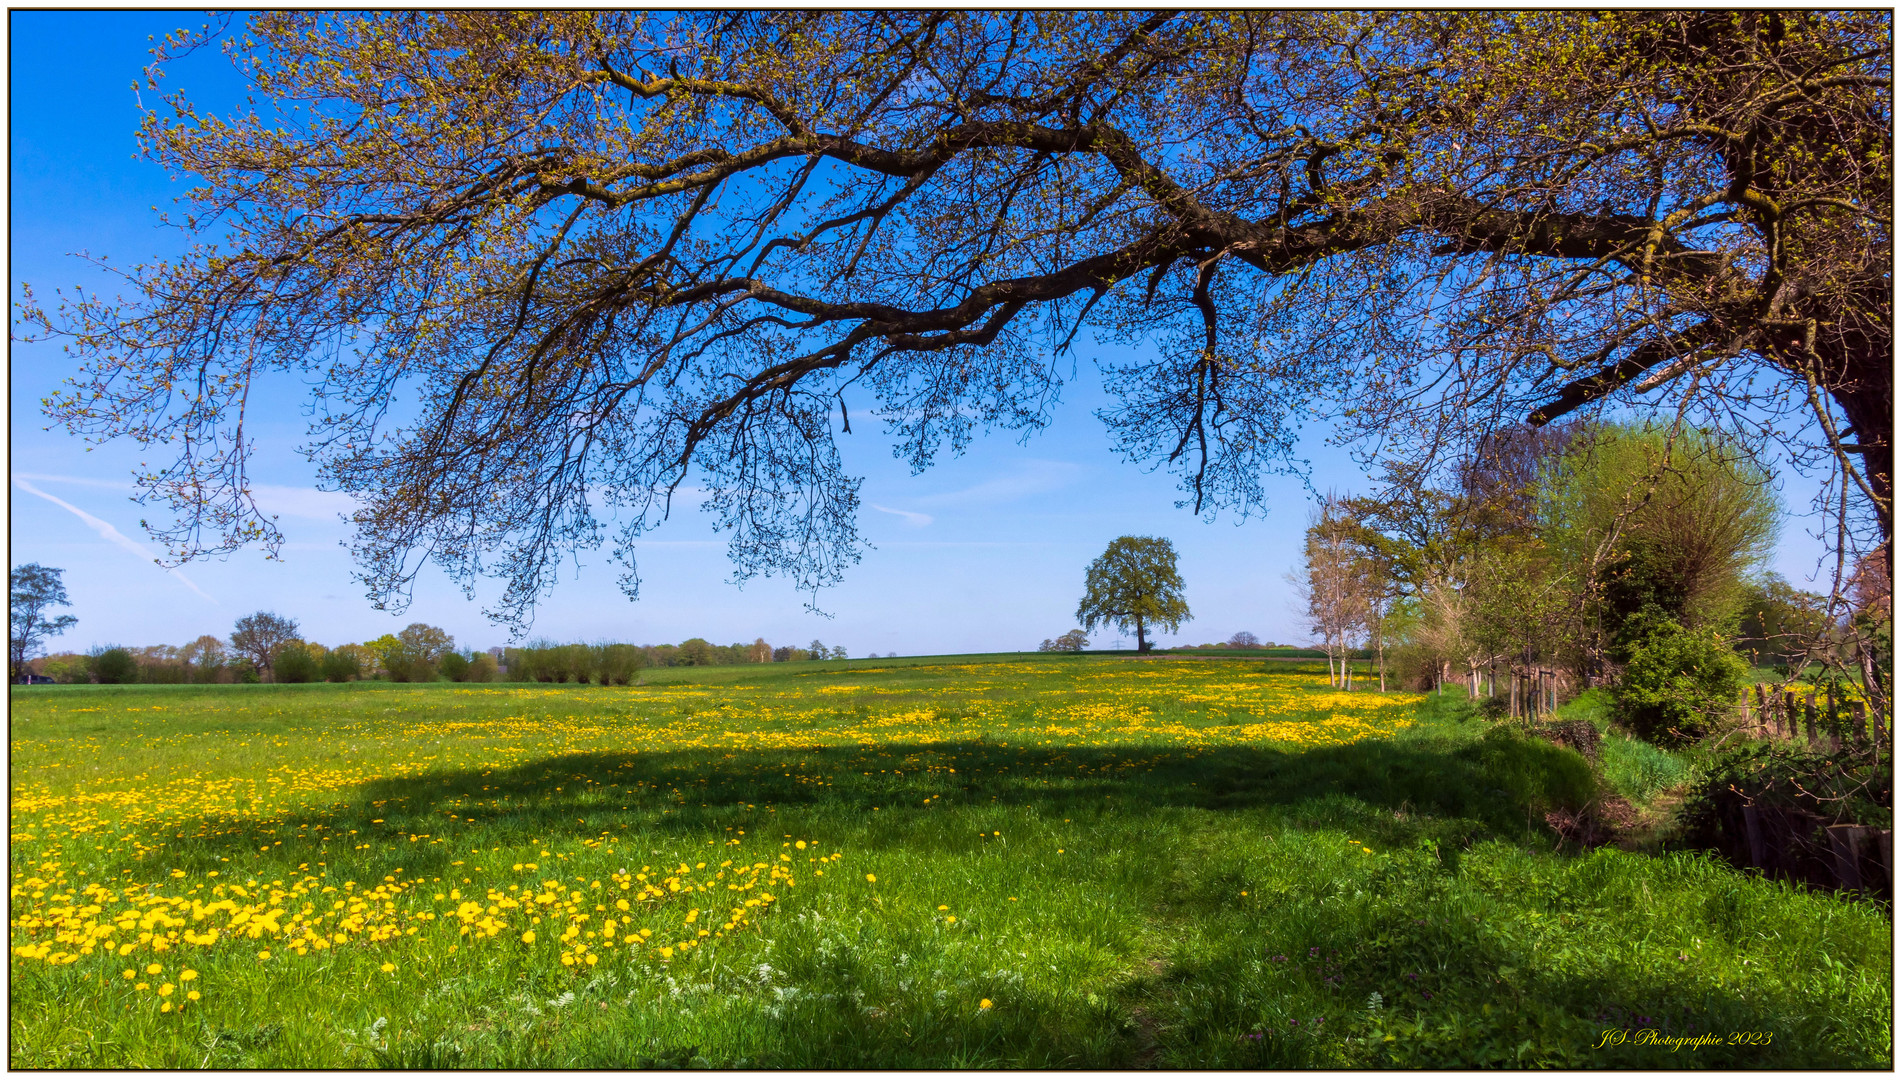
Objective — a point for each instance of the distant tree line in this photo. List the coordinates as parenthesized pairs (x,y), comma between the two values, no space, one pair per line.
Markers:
(266,647)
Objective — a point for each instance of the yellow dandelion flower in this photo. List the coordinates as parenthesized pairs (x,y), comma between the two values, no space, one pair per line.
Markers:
(166,1007)
(187,975)
(528,937)
(191,995)
(130,974)
(871,877)
(264,954)
(985,1004)
(166,990)
(389,968)
(154,969)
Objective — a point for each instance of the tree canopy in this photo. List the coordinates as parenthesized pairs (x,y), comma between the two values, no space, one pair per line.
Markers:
(542,267)
(1134,585)
(31,590)
(259,635)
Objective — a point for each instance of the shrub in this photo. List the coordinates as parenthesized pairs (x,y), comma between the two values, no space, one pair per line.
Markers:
(694,652)
(1678,683)
(65,668)
(113,664)
(482,668)
(617,664)
(454,666)
(342,665)
(295,664)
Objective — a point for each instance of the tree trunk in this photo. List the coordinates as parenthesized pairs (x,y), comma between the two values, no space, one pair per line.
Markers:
(1865,392)
(1142,644)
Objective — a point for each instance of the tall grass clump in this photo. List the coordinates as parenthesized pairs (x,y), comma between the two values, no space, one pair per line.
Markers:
(1638,770)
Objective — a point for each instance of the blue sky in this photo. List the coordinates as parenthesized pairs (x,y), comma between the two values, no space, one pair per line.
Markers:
(980,553)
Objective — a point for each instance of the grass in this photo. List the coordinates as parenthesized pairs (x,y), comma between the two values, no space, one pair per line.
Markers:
(1026,862)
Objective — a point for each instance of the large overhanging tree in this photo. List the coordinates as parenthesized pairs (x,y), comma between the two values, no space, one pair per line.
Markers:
(543,268)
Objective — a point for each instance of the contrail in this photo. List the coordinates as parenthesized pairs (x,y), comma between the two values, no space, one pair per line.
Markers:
(105,530)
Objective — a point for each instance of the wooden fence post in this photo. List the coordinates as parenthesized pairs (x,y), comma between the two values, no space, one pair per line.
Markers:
(1846,841)
(1859,714)
(1763,716)
(1809,717)
(1753,832)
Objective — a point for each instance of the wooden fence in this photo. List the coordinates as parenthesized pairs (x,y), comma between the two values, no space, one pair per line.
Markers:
(1770,715)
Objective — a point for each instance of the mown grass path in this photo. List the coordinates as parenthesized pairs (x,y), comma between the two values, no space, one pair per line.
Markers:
(1032,862)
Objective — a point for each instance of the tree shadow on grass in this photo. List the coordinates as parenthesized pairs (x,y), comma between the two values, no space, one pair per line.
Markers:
(1423,799)
(1401,792)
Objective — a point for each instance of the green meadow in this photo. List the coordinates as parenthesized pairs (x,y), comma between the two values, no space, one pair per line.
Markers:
(1014,862)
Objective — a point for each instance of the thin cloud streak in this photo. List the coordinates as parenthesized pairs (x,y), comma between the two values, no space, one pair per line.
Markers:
(912,518)
(1032,477)
(106,531)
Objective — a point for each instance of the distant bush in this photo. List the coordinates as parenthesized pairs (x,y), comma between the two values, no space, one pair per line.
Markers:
(454,666)
(342,664)
(295,663)
(617,664)
(482,668)
(113,664)
(694,652)
(65,668)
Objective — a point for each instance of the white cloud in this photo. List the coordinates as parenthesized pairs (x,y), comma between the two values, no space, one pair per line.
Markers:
(912,518)
(1031,477)
(84,481)
(106,531)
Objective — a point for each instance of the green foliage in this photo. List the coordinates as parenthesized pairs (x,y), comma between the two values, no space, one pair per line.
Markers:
(1679,683)
(1778,621)
(1134,585)
(482,668)
(454,666)
(1678,519)
(694,652)
(341,665)
(113,664)
(413,654)
(1841,788)
(618,664)
(295,664)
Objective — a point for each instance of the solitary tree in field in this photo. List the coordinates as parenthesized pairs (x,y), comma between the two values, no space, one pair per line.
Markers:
(31,590)
(259,635)
(1133,585)
(596,253)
